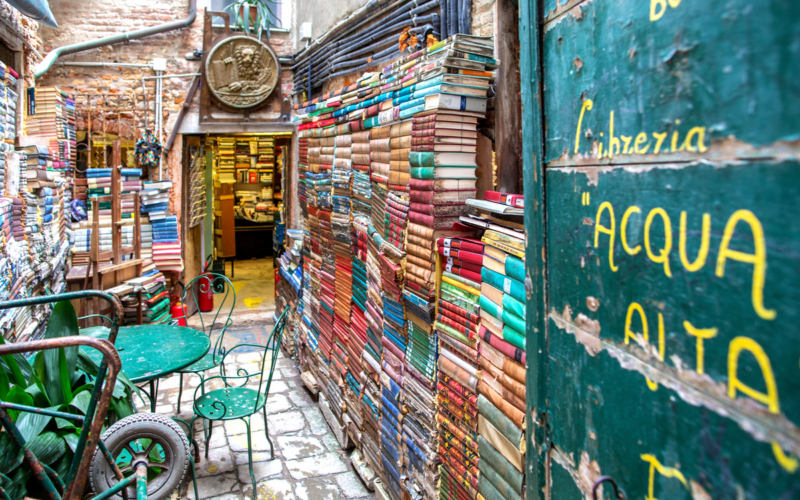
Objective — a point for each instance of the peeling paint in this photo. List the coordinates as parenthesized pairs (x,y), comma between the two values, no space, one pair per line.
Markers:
(698,492)
(720,150)
(691,387)
(592,303)
(590,341)
(585,474)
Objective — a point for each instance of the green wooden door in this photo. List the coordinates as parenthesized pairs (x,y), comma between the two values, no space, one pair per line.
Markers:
(661,146)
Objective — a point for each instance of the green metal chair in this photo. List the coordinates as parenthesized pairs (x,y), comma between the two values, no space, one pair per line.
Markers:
(219,284)
(235,401)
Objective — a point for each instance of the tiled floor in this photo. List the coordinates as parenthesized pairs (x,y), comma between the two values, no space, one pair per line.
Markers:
(308,463)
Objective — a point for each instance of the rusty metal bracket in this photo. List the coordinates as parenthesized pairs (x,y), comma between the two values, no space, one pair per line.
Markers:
(618,493)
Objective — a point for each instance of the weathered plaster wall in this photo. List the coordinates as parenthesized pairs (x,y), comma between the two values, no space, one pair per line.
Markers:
(322,15)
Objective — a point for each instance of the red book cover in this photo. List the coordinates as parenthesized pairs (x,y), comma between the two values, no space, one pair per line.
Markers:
(420,185)
(475,258)
(252,177)
(512,200)
(474,318)
(452,263)
(469,245)
(464,273)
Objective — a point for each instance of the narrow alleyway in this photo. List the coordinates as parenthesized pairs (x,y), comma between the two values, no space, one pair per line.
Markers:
(308,464)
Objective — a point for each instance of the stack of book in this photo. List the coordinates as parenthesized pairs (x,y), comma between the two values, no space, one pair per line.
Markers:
(458,325)
(501,401)
(155,199)
(226,160)
(9,83)
(48,117)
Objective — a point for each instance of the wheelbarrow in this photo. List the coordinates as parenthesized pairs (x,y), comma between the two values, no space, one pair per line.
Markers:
(116,463)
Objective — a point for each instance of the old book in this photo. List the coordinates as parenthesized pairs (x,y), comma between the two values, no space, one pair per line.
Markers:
(431,159)
(438,185)
(440,197)
(449,210)
(443,172)
(455,102)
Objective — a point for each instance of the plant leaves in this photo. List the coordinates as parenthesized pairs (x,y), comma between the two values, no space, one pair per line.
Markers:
(5,385)
(64,376)
(10,361)
(71,438)
(40,377)
(31,425)
(39,399)
(19,396)
(47,447)
(12,454)
(81,401)
(63,322)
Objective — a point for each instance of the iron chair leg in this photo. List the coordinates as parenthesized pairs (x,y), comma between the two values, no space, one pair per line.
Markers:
(208,437)
(180,392)
(250,456)
(266,432)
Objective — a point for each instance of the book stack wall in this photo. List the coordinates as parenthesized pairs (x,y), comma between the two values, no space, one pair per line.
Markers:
(420,115)
(15,257)
(501,388)
(457,326)
(341,178)
(9,81)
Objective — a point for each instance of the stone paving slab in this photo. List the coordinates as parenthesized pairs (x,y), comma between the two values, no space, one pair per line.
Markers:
(308,463)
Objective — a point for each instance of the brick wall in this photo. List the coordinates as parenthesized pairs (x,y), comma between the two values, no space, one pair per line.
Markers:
(483,17)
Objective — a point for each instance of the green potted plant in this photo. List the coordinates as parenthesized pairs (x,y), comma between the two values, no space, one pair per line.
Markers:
(258,14)
(61,380)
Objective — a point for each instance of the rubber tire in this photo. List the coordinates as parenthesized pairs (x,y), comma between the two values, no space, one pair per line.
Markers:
(150,426)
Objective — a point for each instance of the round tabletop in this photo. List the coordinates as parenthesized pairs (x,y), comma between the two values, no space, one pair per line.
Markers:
(149,352)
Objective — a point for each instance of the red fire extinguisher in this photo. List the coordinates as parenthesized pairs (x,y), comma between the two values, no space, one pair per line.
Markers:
(205,291)
(176,309)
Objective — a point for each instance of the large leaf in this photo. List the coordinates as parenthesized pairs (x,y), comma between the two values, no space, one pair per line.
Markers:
(123,386)
(18,481)
(48,447)
(63,323)
(39,398)
(10,363)
(12,454)
(19,396)
(64,376)
(71,438)
(5,385)
(48,383)
(81,401)
(31,425)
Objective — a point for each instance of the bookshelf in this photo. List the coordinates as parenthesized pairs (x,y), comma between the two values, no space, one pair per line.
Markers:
(250,168)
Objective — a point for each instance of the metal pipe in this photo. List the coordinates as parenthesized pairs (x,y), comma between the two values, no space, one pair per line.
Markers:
(160,117)
(104,64)
(161,77)
(54,54)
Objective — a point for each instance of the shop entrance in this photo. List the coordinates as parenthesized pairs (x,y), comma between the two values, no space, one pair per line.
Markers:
(243,211)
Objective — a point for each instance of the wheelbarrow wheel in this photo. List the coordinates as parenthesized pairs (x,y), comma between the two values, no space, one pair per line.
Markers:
(148,438)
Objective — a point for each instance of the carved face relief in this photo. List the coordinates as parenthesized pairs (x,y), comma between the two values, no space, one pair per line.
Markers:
(242,72)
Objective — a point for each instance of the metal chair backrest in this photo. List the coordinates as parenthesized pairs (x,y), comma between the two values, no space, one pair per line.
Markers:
(273,347)
(217,284)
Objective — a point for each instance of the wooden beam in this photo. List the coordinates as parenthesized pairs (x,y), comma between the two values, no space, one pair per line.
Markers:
(508,105)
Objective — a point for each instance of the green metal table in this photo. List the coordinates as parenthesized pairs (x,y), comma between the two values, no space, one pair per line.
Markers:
(150,352)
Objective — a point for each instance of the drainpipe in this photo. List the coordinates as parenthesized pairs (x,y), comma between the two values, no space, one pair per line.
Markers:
(50,58)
